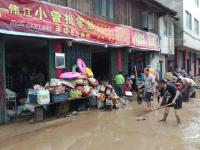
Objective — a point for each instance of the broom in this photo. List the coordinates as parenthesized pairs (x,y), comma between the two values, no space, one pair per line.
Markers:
(144,113)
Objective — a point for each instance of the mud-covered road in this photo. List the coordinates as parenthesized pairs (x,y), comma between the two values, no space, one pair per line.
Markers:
(116,130)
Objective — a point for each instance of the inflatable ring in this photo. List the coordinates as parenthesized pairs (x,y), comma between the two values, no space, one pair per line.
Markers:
(74,68)
(69,75)
(81,65)
(89,72)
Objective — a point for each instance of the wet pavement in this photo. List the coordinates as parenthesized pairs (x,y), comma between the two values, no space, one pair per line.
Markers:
(117,130)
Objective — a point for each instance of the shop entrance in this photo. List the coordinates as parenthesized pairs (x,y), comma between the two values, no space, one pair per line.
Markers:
(100,64)
(161,69)
(26,64)
(137,59)
(188,66)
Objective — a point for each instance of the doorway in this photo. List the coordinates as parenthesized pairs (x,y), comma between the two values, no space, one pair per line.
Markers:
(188,66)
(160,69)
(26,64)
(100,64)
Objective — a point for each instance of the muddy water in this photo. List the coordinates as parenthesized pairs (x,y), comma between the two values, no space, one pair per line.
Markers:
(118,130)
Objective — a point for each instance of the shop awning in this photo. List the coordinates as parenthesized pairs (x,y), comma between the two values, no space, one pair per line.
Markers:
(42,19)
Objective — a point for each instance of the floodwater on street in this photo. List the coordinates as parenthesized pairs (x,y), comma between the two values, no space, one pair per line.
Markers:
(117,130)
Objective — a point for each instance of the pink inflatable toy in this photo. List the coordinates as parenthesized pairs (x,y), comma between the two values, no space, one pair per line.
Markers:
(69,75)
(81,65)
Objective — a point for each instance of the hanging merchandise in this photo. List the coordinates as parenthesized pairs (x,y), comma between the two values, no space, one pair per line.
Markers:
(82,66)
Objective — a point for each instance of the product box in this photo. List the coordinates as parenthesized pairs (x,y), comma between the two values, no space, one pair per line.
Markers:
(59,97)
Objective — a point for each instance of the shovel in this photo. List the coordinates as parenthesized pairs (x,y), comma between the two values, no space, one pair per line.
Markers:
(144,113)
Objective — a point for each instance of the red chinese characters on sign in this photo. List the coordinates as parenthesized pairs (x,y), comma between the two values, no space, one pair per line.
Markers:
(43,19)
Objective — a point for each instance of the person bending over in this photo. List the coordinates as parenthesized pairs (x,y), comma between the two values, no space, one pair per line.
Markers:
(169,95)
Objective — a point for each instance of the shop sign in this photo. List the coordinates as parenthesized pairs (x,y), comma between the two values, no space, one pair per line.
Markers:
(144,40)
(42,19)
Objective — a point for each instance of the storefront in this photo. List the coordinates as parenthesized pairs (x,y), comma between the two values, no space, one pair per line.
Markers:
(34,35)
(187,59)
(26,62)
(145,52)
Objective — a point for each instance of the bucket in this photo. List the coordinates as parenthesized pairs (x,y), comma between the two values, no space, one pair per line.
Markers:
(43,97)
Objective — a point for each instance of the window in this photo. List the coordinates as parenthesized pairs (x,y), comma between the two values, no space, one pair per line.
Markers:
(111,9)
(97,7)
(167,28)
(188,20)
(196,26)
(150,21)
(196,2)
(147,20)
(104,8)
(144,18)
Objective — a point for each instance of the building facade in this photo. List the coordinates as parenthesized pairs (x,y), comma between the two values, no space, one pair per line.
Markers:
(187,43)
(140,14)
(167,44)
(135,22)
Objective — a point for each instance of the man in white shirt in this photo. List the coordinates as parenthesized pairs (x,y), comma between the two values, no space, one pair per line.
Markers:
(188,88)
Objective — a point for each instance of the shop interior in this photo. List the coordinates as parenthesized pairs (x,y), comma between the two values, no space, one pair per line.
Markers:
(26,64)
(137,59)
(100,64)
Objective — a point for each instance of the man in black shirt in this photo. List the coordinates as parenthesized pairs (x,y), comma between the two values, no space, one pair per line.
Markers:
(169,95)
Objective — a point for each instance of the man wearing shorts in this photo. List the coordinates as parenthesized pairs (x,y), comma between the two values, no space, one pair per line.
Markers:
(148,89)
(170,95)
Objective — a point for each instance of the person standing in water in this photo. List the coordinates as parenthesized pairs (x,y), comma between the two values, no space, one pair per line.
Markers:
(148,89)
(169,95)
(119,84)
